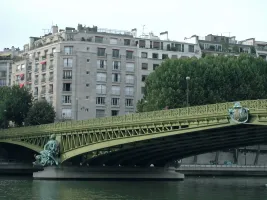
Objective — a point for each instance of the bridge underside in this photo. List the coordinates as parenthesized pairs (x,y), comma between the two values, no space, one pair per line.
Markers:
(161,151)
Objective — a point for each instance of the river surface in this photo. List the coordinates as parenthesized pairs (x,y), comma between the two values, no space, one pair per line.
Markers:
(189,189)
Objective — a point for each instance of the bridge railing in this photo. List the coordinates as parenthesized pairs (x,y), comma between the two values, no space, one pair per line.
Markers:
(136,118)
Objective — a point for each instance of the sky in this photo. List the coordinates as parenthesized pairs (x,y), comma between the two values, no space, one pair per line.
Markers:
(20,19)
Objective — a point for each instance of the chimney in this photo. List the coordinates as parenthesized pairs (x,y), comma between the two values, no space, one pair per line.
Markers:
(55,29)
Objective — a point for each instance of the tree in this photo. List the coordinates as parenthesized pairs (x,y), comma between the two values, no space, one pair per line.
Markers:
(40,113)
(15,104)
(213,79)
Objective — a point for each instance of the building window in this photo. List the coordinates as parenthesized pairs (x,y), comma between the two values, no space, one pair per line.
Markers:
(100,113)
(156,45)
(101,64)
(144,55)
(87,97)
(66,113)
(68,50)
(88,60)
(129,54)
(142,43)
(66,99)
(66,87)
(165,56)
(145,66)
(128,102)
(116,78)
(100,100)
(144,78)
(116,65)
(191,48)
(87,84)
(115,101)
(115,53)
(142,90)
(101,77)
(155,66)
(155,55)
(129,91)
(67,62)
(116,90)
(98,39)
(87,72)
(114,112)
(127,42)
(101,89)
(101,51)
(129,79)
(67,74)
(113,40)
(87,48)
(130,67)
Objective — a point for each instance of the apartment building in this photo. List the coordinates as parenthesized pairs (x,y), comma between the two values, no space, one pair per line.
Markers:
(6,59)
(91,72)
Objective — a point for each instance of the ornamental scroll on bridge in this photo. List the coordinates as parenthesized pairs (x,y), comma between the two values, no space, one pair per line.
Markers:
(50,155)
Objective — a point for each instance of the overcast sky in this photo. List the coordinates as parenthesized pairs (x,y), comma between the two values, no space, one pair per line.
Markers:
(20,19)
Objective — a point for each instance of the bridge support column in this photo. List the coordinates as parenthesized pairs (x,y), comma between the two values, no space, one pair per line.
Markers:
(257,155)
(217,157)
(235,156)
(195,159)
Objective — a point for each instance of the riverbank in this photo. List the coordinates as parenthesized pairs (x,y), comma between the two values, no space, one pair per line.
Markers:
(223,170)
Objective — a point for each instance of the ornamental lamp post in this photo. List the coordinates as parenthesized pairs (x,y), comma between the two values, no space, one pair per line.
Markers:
(187,90)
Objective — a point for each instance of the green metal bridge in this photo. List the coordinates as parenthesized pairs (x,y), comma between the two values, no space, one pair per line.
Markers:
(143,139)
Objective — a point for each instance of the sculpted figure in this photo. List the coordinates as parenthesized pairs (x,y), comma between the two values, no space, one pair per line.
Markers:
(49,156)
(238,113)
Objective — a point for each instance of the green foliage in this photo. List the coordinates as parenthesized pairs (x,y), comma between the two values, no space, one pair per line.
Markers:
(15,104)
(40,113)
(212,80)
(252,50)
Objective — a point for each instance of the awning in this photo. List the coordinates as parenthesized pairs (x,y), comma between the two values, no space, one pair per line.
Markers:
(43,62)
(21,85)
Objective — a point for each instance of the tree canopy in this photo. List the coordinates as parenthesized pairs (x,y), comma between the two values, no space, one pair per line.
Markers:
(15,103)
(213,79)
(40,113)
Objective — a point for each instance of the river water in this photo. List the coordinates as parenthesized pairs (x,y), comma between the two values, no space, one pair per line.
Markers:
(189,189)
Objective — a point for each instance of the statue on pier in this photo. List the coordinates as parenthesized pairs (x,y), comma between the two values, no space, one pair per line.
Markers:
(239,114)
(49,156)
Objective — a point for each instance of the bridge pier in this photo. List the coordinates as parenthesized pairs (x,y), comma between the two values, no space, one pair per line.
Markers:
(108,173)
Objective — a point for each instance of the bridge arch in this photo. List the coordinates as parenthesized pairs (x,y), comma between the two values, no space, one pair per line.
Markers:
(23,144)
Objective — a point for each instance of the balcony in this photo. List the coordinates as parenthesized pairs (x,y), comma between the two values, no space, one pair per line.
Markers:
(36,59)
(51,67)
(44,57)
(43,91)
(50,91)
(51,55)
(43,79)
(261,48)
(35,93)
(36,70)
(36,82)
(51,78)
(67,77)
(130,57)
(29,79)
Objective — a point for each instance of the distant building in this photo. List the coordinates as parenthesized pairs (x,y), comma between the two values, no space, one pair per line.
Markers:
(6,60)
(223,45)
(92,72)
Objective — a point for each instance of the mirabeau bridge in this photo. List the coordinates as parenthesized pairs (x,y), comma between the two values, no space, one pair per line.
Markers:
(142,139)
